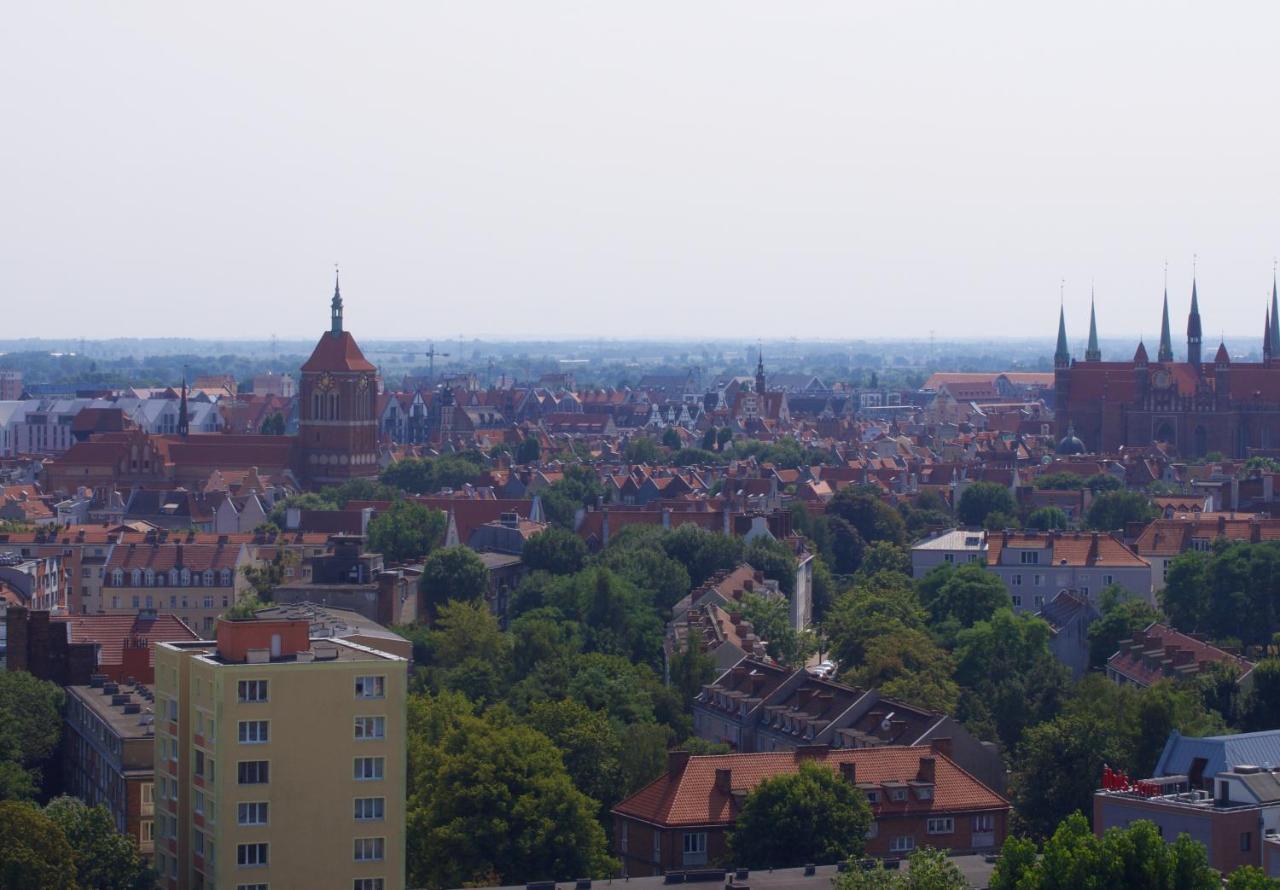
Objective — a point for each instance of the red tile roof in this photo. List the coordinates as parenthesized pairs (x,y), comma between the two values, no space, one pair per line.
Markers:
(1078,549)
(111,631)
(337,352)
(691,797)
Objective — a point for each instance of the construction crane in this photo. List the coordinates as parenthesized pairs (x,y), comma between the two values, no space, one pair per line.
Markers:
(431,354)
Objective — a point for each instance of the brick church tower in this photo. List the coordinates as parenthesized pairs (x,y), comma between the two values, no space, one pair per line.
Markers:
(337,428)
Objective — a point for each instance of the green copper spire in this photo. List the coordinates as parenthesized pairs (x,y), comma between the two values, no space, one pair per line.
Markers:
(1093,353)
(1062,357)
(1165,353)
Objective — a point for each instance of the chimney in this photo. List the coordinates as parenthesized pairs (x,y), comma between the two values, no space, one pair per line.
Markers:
(941,746)
(849,772)
(724,780)
(676,762)
(928,770)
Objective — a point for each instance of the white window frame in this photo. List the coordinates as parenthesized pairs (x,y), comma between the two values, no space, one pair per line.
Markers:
(253,691)
(369,769)
(941,825)
(903,843)
(371,729)
(254,855)
(253,812)
(695,842)
(369,849)
(371,687)
(370,809)
(254,732)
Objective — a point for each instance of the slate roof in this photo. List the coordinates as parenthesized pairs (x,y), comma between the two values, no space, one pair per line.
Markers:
(1222,752)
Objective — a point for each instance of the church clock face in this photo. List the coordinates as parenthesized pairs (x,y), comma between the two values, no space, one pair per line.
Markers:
(363,384)
(325,382)
(1160,379)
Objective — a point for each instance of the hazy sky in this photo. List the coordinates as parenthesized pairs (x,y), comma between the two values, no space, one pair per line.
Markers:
(739,169)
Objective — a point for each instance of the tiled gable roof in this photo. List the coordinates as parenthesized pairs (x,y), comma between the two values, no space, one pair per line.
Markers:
(691,797)
(337,352)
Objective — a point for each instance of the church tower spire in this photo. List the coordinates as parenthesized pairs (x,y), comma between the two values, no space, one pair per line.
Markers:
(1062,355)
(1165,353)
(184,423)
(1274,326)
(1193,329)
(1093,353)
(335,307)
(760,372)
(1266,339)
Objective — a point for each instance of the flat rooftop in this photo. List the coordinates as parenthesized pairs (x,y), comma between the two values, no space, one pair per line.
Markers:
(127,726)
(975,868)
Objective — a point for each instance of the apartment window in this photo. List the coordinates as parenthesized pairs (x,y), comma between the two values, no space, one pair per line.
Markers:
(1016,581)
(197,841)
(1246,841)
(942,825)
(253,732)
(1030,557)
(902,844)
(252,690)
(197,801)
(657,847)
(695,842)
(251,855)
(251,887)
(873,797)
(368,728)
(147,831)
(368,884)
(948,558)
(369,768)
(370,809)
(1108,580)
(1017,600)
(369,849)
(1037,580)
(252,772)
(984,822)
(1039,600)
(251,813)
(370,687)
(897,794)
(147,789)
(624,839)
(199,763)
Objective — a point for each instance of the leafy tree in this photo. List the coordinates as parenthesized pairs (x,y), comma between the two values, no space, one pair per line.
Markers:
(1076,859)
(1059,481)
(905,663)
(1262,706)
(982,499)
(811,815)
(671,438)
(555,550)
(490,800)
(1121,615)
(406,531)
(453,573)
(880,604)
(1250,877)
(30,726)
(528,451)
(774,559)
(998,521)
(649,568)
(1101,482)
(33,850)
(771,620)
(701,552)
(1230,593)
(723,437)
(1005,664)
(846,547)
(307,501)
(589,743)
(927,869)
(415,475)
(873,519)
(644,755)
(578,487)
(265,578)
(691,669)
(1048,518)
(967,594)
(641,450)
(104,858)
(1113,510)
(885,557)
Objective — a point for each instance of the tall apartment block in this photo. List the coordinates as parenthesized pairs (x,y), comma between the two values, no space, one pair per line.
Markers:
(280,761)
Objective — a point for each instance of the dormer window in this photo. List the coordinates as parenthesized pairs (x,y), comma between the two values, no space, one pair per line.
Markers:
(149,578)
(208,577)
(137,577)
(117,577)
(1030,557)
(186,577)
(897,794)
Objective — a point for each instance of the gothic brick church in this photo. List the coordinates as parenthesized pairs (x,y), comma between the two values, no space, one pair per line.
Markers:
(337,408)
(1195,406)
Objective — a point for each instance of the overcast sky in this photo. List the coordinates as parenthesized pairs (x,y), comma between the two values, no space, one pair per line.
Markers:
(740,169)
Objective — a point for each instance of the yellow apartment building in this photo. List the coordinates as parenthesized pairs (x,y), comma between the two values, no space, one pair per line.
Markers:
(280,761)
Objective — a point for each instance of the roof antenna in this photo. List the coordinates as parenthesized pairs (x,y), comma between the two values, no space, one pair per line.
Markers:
(1062,287)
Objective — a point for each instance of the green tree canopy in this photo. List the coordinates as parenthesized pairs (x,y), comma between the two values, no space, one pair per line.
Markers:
(104,858)
(966,594)
(453,573)
(528,451)
(927,869)
(1229,593)
(774,559)
(555,550)
(1059,481)
(981,499)
(490,800)
(1047,519)
(406,531)
(1121,615)
(1113,510)
(30,726)
(701,552)
(33,850)
(873,519)
(812,815)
